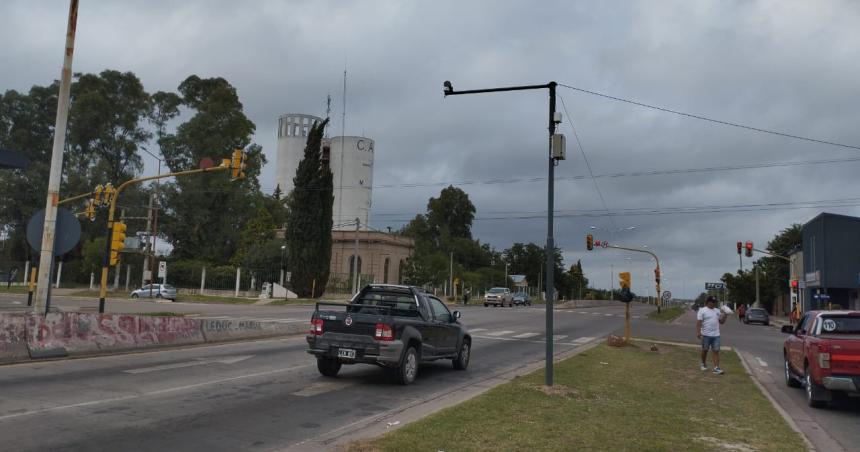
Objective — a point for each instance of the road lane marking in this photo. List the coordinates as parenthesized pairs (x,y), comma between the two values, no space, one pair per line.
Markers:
(196,362)
(761,362)
(153,393)
(500,333)
(526,335)
(475,330)
(609,315)
(583,339)
(322,387)
(595,313)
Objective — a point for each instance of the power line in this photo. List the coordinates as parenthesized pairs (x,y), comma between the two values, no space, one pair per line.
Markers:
(717,121)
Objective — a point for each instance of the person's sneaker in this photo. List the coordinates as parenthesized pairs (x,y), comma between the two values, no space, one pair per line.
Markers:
(703,367)
(718,371)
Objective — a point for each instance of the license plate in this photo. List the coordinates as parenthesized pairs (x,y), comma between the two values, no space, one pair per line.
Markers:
(346,353)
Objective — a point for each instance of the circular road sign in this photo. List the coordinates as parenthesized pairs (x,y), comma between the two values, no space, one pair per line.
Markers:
(667,295)
(67,233)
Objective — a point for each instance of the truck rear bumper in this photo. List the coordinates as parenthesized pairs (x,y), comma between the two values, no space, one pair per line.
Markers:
(367,351)
(850,384)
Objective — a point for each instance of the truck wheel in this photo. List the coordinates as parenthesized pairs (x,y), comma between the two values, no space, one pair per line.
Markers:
(790,381)
(461,362)
(328,366)
(814,392)
(408,368)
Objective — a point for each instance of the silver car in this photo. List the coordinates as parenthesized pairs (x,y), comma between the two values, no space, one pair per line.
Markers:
(165,291)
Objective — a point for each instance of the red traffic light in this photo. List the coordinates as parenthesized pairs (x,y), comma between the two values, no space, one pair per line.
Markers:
(749,247)
(794,283)
(740,247)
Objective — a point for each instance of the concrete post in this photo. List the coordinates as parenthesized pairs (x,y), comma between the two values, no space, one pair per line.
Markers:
(92,280)
(26,272)
(203,281)
(127,276)
(59,274)
(238,275)
(253,282)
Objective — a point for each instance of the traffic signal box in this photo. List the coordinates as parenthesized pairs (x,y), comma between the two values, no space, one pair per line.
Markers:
(237,165)
(624,282)
(589,242)
(794,286)
(116,242)
(749,247)
(740,248)
(657,275)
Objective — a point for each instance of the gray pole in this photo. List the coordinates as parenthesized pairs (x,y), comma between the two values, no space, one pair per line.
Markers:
(757,302)
(451,275)
(355,258)
(49,231)
(550,245)
(148,241)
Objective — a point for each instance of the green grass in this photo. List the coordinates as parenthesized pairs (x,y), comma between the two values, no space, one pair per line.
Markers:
(612,399)
(14,289)
(667,315)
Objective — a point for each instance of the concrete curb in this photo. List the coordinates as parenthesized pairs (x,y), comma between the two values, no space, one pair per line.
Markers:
(785,416)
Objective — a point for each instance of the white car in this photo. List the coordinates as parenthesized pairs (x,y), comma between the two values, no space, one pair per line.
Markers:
(165,291)
(498,296)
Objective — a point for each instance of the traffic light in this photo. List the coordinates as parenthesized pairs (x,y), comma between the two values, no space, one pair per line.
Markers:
(624,280)
(794,286)
(749,247)
(740,247)
(589,242)
(657,275)
(108,194)
(91,209)
(116,242)
(237,165)
(97,199)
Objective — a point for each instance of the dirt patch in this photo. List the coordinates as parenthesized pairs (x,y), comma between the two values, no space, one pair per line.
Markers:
(722,445)
(556,390)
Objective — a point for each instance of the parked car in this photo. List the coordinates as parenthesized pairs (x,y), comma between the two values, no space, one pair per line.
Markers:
(822,353)
(396,327)
(165,291)
(757,315)
(498,296)
(522,298)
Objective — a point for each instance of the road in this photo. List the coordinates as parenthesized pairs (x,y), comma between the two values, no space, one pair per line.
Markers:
(762,350)
(264,395)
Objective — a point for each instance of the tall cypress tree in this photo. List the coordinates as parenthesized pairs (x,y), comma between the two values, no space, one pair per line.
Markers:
(308,231)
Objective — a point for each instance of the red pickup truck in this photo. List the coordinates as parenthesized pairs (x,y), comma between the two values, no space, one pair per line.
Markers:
(823,354)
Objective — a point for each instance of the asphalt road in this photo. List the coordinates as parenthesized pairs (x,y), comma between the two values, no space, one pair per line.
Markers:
(762,350)
(264,395)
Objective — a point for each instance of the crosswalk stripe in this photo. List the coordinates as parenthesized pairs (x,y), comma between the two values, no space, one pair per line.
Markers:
(608,315)
(526,335)
(558,337)
(499,333)
(580,340)
(475,330)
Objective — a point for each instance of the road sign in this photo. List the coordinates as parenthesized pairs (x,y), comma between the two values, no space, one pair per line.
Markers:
(288,276)
(68,231)
(714,286)
(162,269)
(667,295)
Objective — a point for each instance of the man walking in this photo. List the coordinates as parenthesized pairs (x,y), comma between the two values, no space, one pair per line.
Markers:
(708,321)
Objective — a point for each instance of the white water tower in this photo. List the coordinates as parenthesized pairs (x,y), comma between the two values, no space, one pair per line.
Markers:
(293,131)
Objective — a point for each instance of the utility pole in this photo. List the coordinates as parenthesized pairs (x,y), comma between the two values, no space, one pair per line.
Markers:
(757,300)
(355,258)
(451,274)
(49,230)
(148,249)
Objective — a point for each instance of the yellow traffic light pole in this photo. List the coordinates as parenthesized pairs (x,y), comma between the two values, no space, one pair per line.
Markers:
(656,270)
(226,164)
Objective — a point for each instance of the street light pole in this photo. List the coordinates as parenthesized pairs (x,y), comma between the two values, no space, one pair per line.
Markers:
(448,90)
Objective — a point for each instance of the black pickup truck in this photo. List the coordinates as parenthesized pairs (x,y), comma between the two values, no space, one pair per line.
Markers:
(395,327)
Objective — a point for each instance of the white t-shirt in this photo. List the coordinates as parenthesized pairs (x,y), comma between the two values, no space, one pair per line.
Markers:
(710,321)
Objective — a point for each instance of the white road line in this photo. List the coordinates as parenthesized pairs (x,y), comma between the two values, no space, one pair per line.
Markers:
(609,315)
(499,333)
(322,387)
(475,330)
(197,362)
(152,393)
(558,337)
(583,339)
(595,313)
(761,362)
(526,335)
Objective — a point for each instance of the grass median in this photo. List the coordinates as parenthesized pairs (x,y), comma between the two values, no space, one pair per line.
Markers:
(667,315)
(608,398)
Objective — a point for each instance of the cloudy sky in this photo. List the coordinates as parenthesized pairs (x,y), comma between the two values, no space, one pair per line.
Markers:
(786,66)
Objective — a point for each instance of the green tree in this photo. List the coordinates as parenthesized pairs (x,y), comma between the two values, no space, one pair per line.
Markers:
(778,269)
(308,229)
(578,281)
(451,214)
(204,215)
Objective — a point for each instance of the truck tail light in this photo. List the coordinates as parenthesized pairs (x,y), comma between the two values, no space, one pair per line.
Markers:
(317,326)
(383,332)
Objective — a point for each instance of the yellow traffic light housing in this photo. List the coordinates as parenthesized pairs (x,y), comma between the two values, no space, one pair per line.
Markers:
(624,280)
(237,165)
(589,242)
(91,209)
(97,199)
(116,242)
(108,194)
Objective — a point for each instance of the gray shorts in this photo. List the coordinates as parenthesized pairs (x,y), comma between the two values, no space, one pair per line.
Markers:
(712,342)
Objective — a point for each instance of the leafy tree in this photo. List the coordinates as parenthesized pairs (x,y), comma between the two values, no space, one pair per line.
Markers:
(578,280)
(204,215)
(782,245)
(451,214)
(308,229)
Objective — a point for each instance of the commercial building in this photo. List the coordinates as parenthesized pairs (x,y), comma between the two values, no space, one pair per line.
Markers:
(831,262)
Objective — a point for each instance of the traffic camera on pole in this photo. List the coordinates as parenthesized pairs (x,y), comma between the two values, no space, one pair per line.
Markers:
(589,242)
(237,165)
(116,242)
(749,247)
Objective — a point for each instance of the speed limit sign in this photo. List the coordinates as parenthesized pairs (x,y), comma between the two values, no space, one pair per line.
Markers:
(667,295)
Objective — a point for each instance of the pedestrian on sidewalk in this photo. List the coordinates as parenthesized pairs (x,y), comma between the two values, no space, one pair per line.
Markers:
(466,294)
(708,321)
(742,311)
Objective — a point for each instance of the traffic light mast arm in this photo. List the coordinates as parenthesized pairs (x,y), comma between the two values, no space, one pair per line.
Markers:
(106,260)
(785,258)
(656,270)
(74,198)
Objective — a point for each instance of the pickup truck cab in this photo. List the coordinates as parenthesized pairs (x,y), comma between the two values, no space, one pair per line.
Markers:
(396,327)
(822,353)
(498,296)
